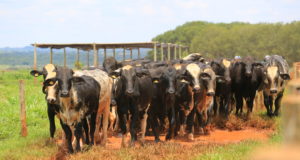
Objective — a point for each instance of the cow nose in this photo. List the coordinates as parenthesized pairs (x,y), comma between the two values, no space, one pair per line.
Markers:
(51,100)
(129,91)
(210,93)
(248,73)
(196,89)
(171,91)
(273,91)
(113,102)
(64,94)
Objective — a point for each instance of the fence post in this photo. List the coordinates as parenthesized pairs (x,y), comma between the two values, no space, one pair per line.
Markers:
(22,109)
(162,52)
(51,55)
(65,58)
(35,62)
(169,51)
(154,50)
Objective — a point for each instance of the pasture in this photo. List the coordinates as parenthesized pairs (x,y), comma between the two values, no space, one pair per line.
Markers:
(37,145)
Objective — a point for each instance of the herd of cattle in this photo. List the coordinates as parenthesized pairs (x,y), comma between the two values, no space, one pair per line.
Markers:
(188,91)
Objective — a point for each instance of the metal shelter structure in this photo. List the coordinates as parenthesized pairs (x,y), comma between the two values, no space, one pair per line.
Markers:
(168,50)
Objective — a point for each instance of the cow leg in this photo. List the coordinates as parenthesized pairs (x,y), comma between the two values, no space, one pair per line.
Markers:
(278,104)
(68,134)
(144,125)
(171,117)
(93,127)
(250,103)
(190,124)
(78,135)
(215,108)
(105,122)
(267,104)
(51,116)
(86,131)
(153,118)
(122,124)
(239,103)
(134,119)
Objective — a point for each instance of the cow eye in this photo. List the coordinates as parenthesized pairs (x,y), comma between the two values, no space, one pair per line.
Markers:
(49,82)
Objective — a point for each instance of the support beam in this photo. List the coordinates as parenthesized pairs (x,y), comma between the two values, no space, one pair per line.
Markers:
(95,55)
(114,52)
(139,53)
(105,53)
(180,53)
(65,58)
(77,58)
(162,52)
(124,53)
(175,52)
(34,57)
(88,59)
(154,52)
(169,51)
(131,53)
(51,56)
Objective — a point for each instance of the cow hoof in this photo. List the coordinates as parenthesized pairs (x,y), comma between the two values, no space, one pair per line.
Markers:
(157,140)
(191,137)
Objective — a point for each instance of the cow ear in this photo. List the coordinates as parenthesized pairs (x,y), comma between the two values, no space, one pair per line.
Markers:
(115,74)
(78,80)
(36,73)
(285,76)
(220,79)
(50,82)
(258,64)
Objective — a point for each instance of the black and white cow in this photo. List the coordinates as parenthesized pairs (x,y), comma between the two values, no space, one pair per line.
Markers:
(275,79)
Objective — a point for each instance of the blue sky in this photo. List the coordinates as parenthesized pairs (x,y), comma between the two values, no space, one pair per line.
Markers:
(69,21)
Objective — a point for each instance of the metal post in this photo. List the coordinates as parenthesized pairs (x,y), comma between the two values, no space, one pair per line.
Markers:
(104,53)
(139,53)
(51,56)
(124,52)
(131,53)
(169,51)
(161,52)
(154,50)
(65,58)
(95,55)
(114,52)
(88,59)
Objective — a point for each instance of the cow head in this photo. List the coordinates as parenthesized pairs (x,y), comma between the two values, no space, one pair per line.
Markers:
(273,80)
(248,61)
(169,79)
(49,73)
(191,74)
(65,79)
(129,75)
(110,64)
(208,80)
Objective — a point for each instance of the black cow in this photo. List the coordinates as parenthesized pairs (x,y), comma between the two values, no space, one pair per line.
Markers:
(246,79)
(223,97)
(162,105)
(275,77)
(78,97)
(134,97)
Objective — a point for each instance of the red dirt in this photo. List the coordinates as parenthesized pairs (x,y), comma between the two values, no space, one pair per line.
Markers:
(216,137)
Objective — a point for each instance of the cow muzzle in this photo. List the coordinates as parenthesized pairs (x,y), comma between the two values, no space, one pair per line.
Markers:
(196,89)
(64,94)
(273,91)
(211,93)
(51,100)
(171,91)
(129,92)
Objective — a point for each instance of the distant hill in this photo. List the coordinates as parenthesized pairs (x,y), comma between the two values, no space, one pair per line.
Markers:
(23,56)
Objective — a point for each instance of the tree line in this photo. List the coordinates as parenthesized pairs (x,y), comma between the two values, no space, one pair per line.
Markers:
(237,39)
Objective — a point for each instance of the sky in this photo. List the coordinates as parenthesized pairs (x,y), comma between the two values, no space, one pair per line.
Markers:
(107,21)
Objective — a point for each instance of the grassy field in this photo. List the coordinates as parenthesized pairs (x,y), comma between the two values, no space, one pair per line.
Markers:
(36,146)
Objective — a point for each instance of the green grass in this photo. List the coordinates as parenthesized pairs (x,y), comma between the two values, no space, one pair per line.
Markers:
(12,145)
